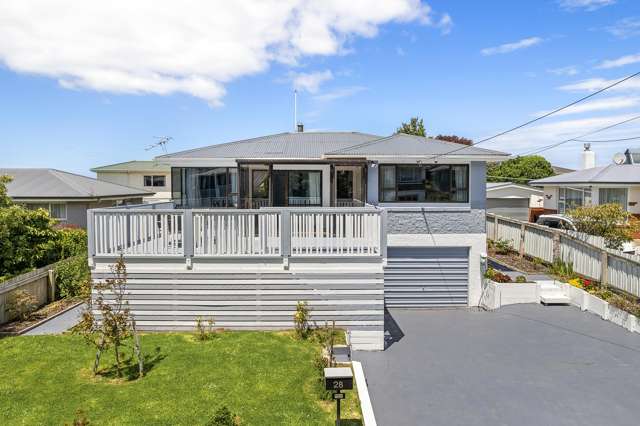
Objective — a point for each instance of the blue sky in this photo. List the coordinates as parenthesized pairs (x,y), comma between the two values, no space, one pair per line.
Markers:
(93,85)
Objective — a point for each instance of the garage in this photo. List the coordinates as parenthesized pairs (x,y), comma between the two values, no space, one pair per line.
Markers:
(426,277)
(516,208)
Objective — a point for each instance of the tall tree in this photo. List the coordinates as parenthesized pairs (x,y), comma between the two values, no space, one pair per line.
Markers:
(415,126)
(455,139)
(520,169)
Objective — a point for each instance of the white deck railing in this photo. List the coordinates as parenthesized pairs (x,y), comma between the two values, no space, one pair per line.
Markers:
(139,232)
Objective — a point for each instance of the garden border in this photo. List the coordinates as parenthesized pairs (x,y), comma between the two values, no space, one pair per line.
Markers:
(43,321)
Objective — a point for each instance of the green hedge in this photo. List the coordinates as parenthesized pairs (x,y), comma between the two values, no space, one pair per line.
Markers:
(72,276)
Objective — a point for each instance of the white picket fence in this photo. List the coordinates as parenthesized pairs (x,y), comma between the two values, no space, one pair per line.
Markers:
(587,253)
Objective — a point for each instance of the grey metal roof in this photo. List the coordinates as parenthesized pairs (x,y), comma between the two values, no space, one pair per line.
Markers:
(613,173)
(52,184)
(403,144)
(282,145)
(133,166)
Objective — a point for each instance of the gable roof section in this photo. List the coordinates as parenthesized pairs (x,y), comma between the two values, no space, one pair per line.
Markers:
(628,174)
(494,189)
(283,145)
(56,184)
(401,144)
(134,166)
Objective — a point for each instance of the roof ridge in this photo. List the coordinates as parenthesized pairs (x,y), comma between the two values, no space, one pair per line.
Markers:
(222,144)
(59,174)
(360,145)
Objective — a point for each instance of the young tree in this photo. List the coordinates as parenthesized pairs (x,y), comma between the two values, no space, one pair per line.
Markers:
(609,221)
(455,139)
(116,324)
(415,126)
(520,169)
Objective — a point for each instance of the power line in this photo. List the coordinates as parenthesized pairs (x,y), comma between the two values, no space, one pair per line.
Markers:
(609,140)
(545,148)
(542,116)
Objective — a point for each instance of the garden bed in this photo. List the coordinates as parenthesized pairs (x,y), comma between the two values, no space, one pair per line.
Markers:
(40,316)
(523,264)
(264,378)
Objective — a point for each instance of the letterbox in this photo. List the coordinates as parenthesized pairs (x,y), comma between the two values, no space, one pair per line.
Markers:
(338,379)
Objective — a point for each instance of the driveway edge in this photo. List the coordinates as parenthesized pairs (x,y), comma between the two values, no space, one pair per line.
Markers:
(363,394)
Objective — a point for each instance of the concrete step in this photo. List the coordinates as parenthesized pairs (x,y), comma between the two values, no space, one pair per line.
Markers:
(554,299)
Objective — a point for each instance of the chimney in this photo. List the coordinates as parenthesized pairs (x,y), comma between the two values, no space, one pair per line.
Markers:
(300,127)
(588,157)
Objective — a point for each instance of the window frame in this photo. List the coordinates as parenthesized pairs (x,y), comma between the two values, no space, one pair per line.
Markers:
(149,181)
(382,188)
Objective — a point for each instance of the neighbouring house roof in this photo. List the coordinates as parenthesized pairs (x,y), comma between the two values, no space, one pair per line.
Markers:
(401,144)
(317,145)
(561,170)
(628,174)
(519,190)
(134,166)
(56,184)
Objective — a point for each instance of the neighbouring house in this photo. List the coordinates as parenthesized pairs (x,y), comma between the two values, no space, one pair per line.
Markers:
(513,200)
(348,222)
(67,196)
(148,175)
(615,183)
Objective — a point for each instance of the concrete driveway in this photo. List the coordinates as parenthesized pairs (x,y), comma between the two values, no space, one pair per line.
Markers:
(519,365)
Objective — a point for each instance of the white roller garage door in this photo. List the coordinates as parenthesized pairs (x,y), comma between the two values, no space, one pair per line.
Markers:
(426,277)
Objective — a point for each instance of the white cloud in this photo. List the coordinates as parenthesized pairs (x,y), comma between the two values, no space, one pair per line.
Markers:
(339,93)
(588,5)
(400,51)
(311,82)
(593,84)
(606,104)
(445,24)
(570,70)
(568,154)
(511,47)
(194,47)
(625,28)
(620,62)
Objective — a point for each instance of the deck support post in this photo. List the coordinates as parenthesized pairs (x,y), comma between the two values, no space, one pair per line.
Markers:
(285,237)
(187,237)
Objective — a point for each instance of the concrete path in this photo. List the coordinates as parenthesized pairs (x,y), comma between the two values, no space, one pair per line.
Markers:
(59,324)
(520,365)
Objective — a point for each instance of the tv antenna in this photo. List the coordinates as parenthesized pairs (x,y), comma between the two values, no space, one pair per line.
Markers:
(162,143)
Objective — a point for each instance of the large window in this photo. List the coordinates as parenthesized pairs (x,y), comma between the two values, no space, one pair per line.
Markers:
(154,180)
(613,196)
(432,183)
(305,188)
(570,198)
(196,187)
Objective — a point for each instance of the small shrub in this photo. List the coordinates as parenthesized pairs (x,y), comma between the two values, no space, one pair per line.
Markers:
(320,362)
(497,276)
(204,328)
(72,277)
(563,270)
(224,417)
(502,246)
(600,292)
(22,305)
(521,279)
(301,320)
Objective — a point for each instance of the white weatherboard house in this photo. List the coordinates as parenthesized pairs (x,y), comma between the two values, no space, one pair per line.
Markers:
(614,183)
(146,175)
(348,222)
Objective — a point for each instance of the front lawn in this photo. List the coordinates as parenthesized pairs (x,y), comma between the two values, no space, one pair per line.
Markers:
(265,378)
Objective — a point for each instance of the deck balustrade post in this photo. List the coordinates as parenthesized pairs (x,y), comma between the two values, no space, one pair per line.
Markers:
(187,236)
(383,234)
(285,237)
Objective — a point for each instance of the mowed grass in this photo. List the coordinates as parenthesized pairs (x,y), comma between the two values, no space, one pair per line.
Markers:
(265,378)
